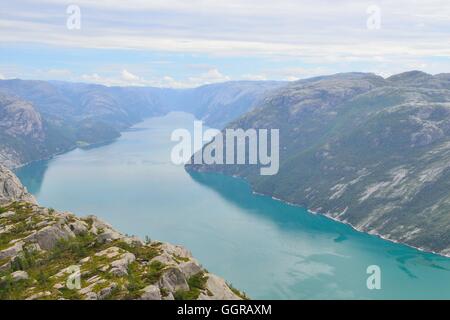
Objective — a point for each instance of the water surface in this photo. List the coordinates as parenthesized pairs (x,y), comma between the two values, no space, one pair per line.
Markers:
(262,246)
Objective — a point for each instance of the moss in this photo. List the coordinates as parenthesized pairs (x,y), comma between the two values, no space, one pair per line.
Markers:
(164,292)
(240,294)
(25,260)
(197,283)
(70,294)
(89,222)
(41,266)
(100,286)
(21,228)
(116,293)
(180,259)
(73,248)
(4,261)
(144,253)
(154,272)
(92,266)
(13,290)
(135,281)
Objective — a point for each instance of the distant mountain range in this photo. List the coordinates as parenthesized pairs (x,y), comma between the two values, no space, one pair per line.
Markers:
(39,119)
(365,150)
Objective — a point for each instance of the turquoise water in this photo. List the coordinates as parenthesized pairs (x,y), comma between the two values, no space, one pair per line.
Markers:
(262,246)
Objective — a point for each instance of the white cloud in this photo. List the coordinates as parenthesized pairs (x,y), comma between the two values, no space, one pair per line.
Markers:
(327,36)
(59,73)
(126,78)
(2,77)
(318,29)
(254,77)
(211,76)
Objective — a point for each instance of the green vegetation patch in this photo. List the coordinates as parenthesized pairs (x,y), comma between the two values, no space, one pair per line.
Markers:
(240,294)
(197,284)
(144,253)
(154,272)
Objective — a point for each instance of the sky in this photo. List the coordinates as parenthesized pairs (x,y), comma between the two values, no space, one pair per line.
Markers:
(187,43)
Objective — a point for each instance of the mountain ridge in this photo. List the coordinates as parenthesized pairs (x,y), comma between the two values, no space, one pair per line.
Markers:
(79,114)
(361,149)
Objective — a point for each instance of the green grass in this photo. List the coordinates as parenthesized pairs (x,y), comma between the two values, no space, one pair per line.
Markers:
(154,272)
(180,259)
(145,253)
(197,283)
(240,294)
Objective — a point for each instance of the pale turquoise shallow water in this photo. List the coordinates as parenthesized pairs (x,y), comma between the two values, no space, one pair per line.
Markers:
(267,248)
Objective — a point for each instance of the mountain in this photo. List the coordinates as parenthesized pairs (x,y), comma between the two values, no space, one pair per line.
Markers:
(361,149)
(218,104)
(65,115)
(25,135)
(42,250)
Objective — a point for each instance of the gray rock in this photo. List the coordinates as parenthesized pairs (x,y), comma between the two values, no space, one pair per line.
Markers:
(109,236)
(19,275)
(91,296)
(11,189)
(176,250)
(48,236)
(165,258)
(12,251)
(39,295)
(106,291)
(169,296)
(173,280)
(219,289)
(78,227)
(151,292)
(5,267)
(119,271)
(124,261)
(120,267)
(133,241)
(7,214)
(189,268)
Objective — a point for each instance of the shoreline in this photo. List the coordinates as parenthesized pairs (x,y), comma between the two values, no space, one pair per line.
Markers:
(53,155)
(374,234)
(309,210)
(329,216)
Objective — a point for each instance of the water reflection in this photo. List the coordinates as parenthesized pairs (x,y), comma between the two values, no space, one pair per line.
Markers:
(32,175)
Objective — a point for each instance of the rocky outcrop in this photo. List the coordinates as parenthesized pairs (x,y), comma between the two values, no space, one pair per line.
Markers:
(19,118)
(11,189)
(57,255)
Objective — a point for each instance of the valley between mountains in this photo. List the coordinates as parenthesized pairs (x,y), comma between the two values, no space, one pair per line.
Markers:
(365,150)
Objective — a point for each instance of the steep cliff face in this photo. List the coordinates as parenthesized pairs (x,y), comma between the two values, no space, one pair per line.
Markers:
(20,125)
(19,118)
(46,254)
(363,150)
(11,189)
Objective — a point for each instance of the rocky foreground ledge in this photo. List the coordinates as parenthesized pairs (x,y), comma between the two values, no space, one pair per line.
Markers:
(46,254)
